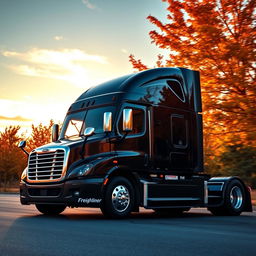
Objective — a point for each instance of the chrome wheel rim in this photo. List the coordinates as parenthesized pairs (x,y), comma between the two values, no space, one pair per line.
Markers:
(236,197)
(120,198)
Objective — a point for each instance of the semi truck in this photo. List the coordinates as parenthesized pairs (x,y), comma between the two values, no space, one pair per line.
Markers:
(135,141)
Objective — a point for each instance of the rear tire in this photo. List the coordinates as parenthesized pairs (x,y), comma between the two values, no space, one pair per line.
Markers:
(50,209)
(234,200)
(118,201)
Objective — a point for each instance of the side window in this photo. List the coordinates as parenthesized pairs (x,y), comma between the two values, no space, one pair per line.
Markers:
(138,122)
(176,88)
(179,131)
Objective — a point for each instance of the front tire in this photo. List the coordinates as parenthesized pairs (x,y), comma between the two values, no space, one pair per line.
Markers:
(234,200)
(50,209)
(119,198)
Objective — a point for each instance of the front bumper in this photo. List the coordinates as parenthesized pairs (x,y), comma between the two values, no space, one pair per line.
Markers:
(76,193)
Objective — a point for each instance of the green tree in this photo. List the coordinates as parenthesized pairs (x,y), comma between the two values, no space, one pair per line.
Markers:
(239,160)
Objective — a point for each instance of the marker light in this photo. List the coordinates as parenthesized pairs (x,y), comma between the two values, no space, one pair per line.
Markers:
(24,174)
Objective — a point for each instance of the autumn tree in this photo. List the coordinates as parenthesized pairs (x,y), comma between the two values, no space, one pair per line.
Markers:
(40,135)
(12,159)
(216,37)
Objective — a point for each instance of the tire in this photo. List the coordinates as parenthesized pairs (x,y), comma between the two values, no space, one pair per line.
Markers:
(50,209)
(234,200)
(118,201)
(171,211)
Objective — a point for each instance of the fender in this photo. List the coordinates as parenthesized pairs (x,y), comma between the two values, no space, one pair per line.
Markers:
(132,176)
(217,188)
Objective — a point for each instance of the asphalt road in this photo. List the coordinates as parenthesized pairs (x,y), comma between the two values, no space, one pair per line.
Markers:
(23,231)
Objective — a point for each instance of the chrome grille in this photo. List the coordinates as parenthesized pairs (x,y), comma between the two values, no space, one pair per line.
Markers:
(46,166)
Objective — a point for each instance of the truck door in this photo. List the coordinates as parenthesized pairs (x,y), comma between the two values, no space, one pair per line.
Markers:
(171,140)
(179,142)
(134,148)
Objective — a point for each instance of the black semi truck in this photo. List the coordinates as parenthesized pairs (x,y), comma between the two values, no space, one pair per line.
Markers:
(135,141)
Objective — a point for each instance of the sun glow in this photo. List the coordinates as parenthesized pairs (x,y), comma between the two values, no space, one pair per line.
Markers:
(70,65)
(25,114)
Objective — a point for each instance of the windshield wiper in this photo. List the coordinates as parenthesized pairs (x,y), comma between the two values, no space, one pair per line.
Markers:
(75,135)
(73,123)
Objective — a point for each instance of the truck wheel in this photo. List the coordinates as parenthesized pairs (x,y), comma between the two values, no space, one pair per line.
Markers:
(171,211)
(50,209)
(119,197)
(234,200)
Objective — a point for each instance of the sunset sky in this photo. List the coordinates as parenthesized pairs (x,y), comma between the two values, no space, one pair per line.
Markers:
(53,50)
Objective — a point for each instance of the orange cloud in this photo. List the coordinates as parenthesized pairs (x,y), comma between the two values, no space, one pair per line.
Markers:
(16,118)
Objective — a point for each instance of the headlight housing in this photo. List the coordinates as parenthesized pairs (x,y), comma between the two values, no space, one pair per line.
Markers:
(84,169)
(81,171)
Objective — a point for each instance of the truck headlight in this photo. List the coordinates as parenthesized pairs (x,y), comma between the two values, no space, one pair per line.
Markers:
(83,169)
(24,174)
(80,171)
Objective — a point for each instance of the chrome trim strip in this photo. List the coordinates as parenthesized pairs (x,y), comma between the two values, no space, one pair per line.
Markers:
(52,175)
(34,172)
(205,192)
(216,183)
(104,94)
(150,135)
(145,191)
(58,161)
(44,167)
(174,199)
(181,87)
(145,196)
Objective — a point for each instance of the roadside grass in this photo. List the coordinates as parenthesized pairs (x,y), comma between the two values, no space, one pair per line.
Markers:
(12,187)
(253,195)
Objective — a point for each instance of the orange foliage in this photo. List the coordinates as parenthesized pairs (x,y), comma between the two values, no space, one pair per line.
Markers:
(12,159)
(41,135)
(216,37)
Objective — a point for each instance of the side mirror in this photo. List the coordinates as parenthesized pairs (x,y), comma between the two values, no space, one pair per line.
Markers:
(127,120)
(22,144)
(107,122)
(55,132)
(89,131)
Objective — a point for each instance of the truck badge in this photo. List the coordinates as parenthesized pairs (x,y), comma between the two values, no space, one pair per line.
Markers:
(88,200)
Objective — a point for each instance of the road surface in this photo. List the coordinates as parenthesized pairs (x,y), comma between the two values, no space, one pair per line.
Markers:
(23,231)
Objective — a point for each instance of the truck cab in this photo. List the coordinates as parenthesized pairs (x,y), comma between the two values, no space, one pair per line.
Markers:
(135,141)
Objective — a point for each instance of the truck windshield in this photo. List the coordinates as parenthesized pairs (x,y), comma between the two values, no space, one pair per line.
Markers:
(75,123)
